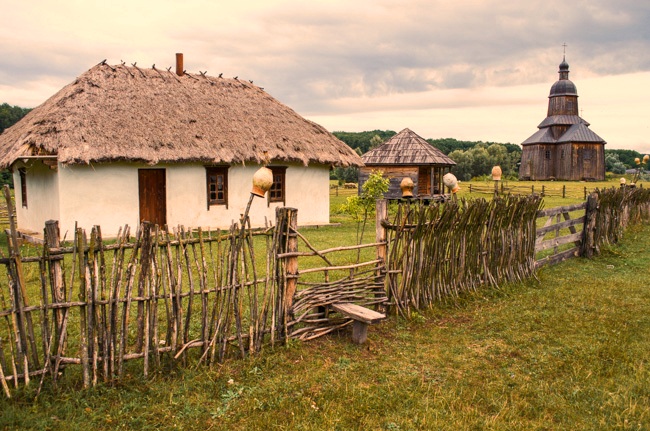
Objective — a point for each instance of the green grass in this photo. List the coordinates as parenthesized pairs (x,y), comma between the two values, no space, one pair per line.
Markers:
(570,351)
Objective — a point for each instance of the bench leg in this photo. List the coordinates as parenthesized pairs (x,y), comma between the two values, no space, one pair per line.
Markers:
(359,332)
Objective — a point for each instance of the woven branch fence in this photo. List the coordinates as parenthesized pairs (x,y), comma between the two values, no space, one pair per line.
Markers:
(439,251)
(161,298)
(157,298)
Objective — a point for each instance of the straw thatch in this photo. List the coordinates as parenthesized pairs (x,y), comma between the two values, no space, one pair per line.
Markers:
(406,148)
(122,113)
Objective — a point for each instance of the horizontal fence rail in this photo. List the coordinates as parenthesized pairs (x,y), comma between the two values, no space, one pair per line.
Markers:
(543,190)
(558,230)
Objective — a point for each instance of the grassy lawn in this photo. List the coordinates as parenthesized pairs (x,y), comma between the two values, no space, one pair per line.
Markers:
(570,351)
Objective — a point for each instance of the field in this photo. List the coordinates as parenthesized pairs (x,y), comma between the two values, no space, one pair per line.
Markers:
(569,351)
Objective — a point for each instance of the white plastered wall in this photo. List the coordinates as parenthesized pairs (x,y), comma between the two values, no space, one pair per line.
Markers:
(103,194)
(306,188)
(42,195)
(107,195)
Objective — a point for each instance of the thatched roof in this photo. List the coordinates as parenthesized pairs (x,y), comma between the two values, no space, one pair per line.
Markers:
(406,148)
(122,113)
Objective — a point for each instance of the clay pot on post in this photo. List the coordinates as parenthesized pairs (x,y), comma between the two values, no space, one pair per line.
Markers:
(451,182)
(407,187)
(262,181)
(496,173)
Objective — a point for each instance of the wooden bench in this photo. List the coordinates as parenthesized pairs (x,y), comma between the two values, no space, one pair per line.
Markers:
(362,318)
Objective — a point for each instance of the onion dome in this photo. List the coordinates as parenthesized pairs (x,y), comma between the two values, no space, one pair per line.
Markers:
(563,87)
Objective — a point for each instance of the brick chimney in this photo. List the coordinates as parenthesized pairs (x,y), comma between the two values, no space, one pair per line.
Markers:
(179,64)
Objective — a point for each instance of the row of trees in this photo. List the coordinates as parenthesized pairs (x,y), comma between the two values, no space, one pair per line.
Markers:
(473,158)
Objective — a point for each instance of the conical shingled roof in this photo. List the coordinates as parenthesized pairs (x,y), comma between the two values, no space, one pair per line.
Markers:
(406,148)
(121,113)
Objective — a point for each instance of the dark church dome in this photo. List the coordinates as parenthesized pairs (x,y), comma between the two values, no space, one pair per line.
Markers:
(563,87)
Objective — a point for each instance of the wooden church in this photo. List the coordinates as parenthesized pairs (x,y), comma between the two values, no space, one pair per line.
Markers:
(564,148)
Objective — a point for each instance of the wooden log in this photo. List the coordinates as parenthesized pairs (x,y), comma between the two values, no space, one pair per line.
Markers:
(589,244)
(291,263)
(568,223)
(555,242)
(83,313)
(559,210)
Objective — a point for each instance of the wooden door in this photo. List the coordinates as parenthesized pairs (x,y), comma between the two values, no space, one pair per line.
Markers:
(153,200)
(424,181)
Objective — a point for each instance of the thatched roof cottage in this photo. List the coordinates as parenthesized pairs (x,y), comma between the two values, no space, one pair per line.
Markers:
(407,154)
(123,144)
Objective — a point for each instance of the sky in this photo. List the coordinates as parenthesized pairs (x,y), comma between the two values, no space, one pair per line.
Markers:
(464,69)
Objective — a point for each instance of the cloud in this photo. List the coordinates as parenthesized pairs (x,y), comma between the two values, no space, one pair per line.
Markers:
(334,56)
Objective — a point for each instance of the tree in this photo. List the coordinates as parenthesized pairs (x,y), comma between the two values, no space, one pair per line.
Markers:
(360,207)
(613,164)
(362,140)
(9,115)
(626,157)
(478,160)
(345,175)
(375,141)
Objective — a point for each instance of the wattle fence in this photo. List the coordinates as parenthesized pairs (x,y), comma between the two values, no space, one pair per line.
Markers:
(154,298)
(442,250)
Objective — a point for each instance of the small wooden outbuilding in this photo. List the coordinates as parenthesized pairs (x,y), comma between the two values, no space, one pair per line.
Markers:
(564,148)
(123,144)
(408,155)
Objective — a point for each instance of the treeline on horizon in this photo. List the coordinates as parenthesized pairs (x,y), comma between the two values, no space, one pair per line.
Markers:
(474,159)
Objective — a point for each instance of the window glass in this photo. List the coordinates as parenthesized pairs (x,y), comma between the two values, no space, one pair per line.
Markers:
(23,186)
(217,185)
(277,192)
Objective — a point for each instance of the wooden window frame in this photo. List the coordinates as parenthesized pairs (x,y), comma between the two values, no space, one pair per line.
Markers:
(547,154)
(277,192)
(216,171)
(22,172)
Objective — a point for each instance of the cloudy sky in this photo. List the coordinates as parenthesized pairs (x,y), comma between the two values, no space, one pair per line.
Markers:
(465,69)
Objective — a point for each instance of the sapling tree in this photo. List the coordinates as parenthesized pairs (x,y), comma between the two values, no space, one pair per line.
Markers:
(362,206)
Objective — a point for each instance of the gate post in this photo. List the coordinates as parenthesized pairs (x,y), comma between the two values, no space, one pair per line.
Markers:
(287,220)
(589,244)
(381,213)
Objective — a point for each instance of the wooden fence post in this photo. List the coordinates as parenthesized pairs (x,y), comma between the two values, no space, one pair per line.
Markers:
(381,213)
(56,284)
(287,220)
(589,245)
(22,319)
